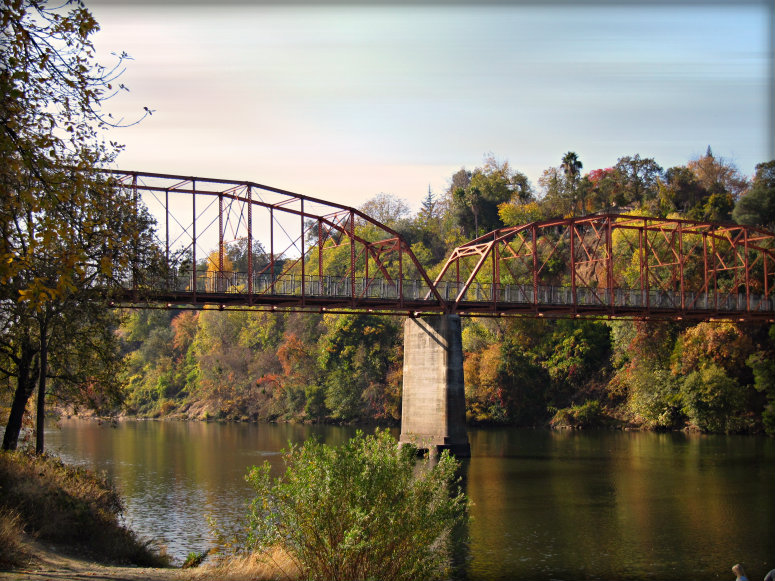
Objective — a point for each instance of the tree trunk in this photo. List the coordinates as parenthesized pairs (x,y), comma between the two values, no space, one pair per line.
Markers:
(40,416)
(25,384)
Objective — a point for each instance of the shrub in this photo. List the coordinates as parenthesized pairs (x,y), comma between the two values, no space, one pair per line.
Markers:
(590,414)
(712,398)
(363,510)
(11,548)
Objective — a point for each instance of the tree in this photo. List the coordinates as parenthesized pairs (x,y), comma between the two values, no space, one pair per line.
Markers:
(65,229)
(355,356)
(757,207)
(571,166)
(385,208)
(597,189)
(680,190)
(718,175)
(638,179)
(476,204)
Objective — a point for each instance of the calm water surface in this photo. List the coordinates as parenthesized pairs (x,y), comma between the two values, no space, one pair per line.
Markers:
(546,505)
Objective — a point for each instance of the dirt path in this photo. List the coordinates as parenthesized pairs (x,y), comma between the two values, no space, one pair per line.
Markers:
(48,564)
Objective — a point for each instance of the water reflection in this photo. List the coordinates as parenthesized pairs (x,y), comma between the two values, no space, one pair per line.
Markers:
(606,505)
(546,505)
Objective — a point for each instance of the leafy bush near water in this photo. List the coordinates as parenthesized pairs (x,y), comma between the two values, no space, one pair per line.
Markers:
(364,510)
(590,414)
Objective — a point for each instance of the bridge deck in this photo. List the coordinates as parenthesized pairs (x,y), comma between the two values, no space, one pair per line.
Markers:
(327,293)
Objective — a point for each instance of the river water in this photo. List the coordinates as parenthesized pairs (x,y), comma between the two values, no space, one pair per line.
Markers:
(546,505)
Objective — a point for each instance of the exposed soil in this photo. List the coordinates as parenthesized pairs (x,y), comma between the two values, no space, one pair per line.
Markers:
(46,563)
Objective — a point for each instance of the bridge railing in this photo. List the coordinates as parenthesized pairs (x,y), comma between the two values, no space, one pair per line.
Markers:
(478,294)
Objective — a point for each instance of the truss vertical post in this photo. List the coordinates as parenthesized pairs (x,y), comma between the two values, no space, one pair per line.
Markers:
(219,278)
(320,256)
(610,260)
(766,277)
(301,241)
(496,278)
(193,237)
(400,273)
(250,245)
(572,226)
(715,273)
(706,281)
(352,255)
(534,232)
(167,227)
(366,263)
(681,265)
(134,249)
(747,271)
(643,234)
(271,249)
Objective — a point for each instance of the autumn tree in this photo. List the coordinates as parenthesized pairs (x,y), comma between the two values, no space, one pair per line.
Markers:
(64,228)
(718,175)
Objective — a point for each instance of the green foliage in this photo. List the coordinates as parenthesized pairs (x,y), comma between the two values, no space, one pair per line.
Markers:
(364,510)
(711,398)
(655,397)
(355,355)
(524,383)
(476,200)
(757,207)
(194,559)
(762,363)
(590,414)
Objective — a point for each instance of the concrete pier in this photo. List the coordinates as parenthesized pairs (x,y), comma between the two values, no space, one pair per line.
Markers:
(433,409)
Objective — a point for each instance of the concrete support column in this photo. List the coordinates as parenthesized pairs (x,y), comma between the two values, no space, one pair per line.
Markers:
(433,412)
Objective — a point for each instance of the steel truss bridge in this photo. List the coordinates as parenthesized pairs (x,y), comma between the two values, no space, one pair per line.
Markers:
(303,253)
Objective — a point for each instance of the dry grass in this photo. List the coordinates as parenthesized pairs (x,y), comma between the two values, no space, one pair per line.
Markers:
(72,507)
(275,566)
(11,532)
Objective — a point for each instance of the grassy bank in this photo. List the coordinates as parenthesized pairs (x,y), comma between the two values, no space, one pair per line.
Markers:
(71,508)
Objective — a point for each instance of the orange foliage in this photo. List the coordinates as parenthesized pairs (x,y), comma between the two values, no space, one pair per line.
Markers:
(291,352)
(184,328)
(724,344)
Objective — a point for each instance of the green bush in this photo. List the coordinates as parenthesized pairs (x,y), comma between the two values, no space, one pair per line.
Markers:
(364,510)
(656,398)
(590,414)
(712,398)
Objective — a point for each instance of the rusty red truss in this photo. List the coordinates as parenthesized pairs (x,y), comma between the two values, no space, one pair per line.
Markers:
(617,265)
(293,234)
(230,244)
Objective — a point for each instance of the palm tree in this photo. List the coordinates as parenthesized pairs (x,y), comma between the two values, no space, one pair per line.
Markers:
(571,167)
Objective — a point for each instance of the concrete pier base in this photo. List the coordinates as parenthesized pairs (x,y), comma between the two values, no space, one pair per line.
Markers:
(433,412)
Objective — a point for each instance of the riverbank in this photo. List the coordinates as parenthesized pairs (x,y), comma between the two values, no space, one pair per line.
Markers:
(43,563)
(45,503)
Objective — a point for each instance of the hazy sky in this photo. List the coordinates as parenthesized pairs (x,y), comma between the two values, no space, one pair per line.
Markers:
(344,101)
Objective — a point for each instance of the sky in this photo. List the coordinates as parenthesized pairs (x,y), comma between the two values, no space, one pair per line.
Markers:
(345,101)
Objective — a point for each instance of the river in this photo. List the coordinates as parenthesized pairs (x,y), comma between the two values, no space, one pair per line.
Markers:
(547,505)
